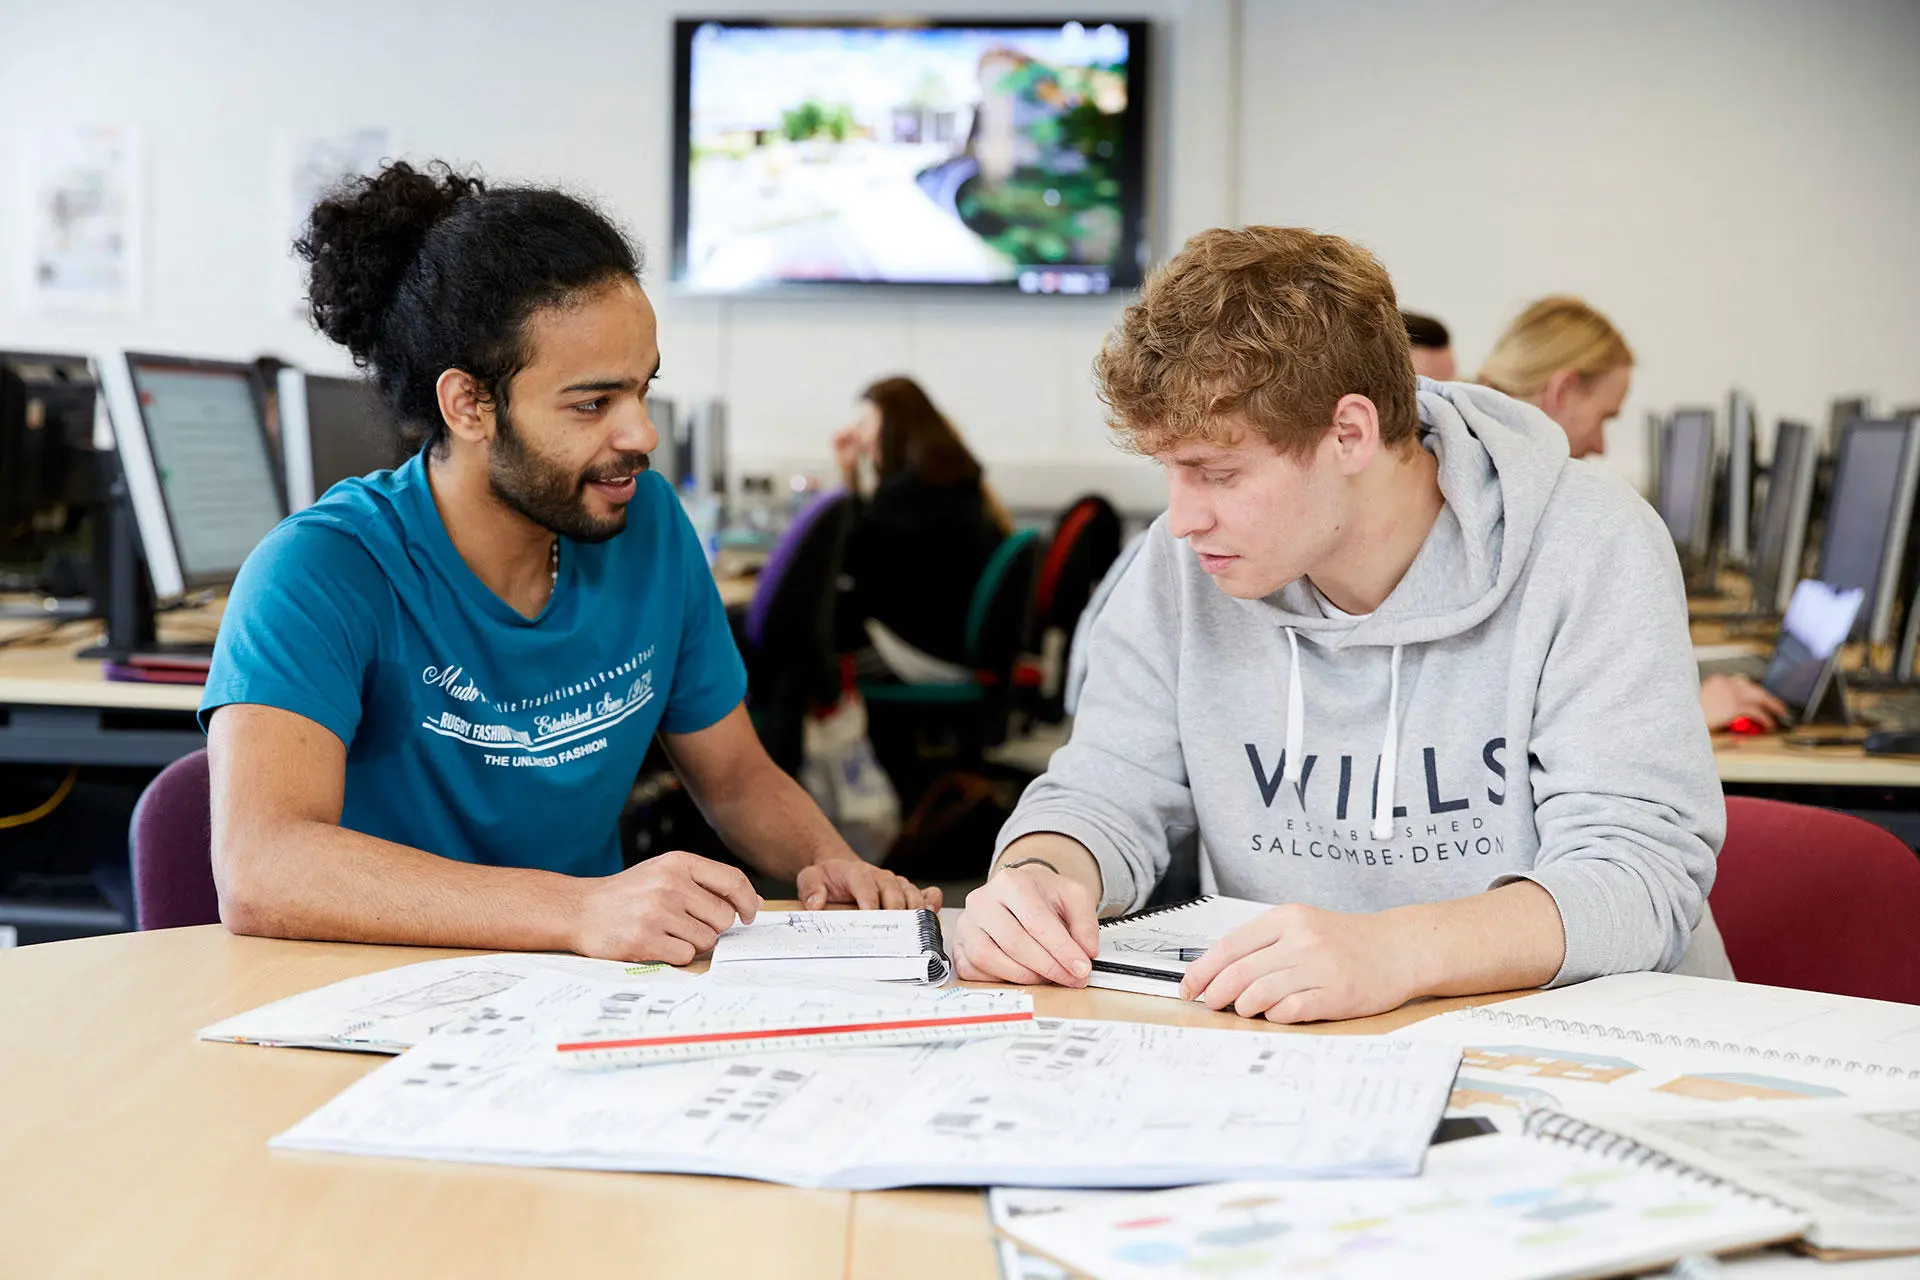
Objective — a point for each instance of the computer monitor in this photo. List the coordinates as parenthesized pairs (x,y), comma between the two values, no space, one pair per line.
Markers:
(1843,413)
(708,441)
(1656,445)
(330,430)
(200,478)
(672,457)
(1686,482)
(1868,514)
(1781,537)
(1739,502)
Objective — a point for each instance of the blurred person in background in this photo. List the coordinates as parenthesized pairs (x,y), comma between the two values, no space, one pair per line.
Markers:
(1566,358)
(1432,347)
(925,533)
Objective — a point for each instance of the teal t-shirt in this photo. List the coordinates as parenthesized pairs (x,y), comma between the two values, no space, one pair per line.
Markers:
(471,731)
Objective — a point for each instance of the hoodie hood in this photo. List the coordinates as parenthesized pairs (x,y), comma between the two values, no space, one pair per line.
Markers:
(1500,460)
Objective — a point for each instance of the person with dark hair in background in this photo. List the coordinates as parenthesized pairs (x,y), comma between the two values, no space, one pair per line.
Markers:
(434,687)
(1432,347)
(923,537)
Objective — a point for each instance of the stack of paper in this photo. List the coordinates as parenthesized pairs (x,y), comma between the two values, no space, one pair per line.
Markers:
(1066,1103)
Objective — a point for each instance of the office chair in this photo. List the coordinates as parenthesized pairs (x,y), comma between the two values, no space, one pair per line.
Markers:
(171,841)
(1818,900)
(1086,541)
(787,635)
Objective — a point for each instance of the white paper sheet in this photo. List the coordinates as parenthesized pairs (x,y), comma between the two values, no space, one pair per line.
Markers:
(395,1009)
(1070,1103)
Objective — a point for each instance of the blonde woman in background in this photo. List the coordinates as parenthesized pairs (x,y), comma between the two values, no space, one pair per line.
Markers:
(1568,360)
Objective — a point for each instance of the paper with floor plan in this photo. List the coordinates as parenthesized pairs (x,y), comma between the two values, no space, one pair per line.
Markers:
(395,1009)
(1498,1207)
(725,1013)
(1068,1103)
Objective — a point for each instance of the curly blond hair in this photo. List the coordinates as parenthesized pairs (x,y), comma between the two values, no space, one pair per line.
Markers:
(1261,327)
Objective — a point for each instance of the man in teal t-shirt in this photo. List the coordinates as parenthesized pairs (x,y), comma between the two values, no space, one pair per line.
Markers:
(433,689)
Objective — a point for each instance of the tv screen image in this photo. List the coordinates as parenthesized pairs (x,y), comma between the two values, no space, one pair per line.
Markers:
(944,154)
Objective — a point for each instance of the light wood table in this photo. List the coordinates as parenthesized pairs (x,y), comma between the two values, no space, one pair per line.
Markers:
(132,1149)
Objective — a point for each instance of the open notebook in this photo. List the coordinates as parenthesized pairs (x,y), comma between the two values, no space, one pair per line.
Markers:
(1501,1207)
(1149,951)
(887,946)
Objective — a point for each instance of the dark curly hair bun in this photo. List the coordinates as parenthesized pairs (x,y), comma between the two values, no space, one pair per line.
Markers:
(417,271)
(362,237)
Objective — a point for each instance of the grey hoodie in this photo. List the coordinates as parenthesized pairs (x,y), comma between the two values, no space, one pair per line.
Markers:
(1524,705)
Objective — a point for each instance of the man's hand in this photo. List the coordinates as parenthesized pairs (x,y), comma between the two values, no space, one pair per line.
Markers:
(1302,964)
(1028,925)
(861,883)
(670,908)
(1726,698)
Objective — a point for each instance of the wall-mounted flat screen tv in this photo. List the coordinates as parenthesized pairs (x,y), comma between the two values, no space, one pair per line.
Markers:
(999,155)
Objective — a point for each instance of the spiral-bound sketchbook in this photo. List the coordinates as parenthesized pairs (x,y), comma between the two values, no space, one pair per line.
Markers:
(1501,1207)
(1807,1030)
(888,946)
(1149,951)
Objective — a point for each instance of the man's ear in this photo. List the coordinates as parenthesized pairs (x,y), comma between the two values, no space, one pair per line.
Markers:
(1355,433)
(1560,386)
(464,407)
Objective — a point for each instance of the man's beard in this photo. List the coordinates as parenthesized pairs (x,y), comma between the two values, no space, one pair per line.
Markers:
(548,495)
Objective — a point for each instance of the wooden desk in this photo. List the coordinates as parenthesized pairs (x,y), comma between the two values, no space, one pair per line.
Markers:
(59,709)
(130,1148)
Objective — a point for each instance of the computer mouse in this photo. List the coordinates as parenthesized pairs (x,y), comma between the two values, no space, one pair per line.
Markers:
(1893,742)
(1745,724)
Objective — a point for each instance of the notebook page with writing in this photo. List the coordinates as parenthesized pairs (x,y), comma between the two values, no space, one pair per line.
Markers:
(1149,951)
(1776,1024)
(1500,1207)
(887,946)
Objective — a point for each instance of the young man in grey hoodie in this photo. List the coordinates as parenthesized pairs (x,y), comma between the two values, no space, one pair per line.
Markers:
(1413,678)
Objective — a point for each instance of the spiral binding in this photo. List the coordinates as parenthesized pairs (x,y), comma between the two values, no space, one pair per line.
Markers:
(1567,1026)
(1557,1126)
(1157,911)
(934,944)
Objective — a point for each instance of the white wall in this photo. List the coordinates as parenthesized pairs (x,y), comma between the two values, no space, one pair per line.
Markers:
(1734,180)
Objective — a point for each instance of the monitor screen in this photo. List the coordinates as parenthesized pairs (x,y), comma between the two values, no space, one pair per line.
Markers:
(347,434)
(1739,508)
(941,153)
(1862,504)
(1686,477)
(209,454)
(1817,622)
(1784,505)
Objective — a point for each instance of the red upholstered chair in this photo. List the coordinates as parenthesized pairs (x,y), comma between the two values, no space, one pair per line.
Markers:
(1818,900)
(172,845)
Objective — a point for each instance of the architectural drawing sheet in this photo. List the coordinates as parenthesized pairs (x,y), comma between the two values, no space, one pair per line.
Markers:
(1067,1103)
(1497,1207)
(395,1009)
(1855,1169)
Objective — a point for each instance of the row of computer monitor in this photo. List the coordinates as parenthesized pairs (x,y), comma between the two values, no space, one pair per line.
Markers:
(201,471)
(1704,490)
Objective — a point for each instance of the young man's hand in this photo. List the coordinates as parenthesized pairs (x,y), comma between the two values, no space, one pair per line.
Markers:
(1028,925)
(864,885)
(669,908)
(1303,964)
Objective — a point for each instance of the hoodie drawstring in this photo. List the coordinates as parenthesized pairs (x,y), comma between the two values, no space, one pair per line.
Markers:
(1389,755)
(1296,715)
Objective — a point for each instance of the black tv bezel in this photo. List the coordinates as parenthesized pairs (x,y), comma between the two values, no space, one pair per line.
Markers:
(1126,274)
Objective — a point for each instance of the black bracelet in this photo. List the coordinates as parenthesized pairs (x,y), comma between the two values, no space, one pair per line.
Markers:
(1027,862)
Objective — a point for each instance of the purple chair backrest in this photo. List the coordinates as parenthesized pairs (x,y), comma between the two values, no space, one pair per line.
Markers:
(780,562)
(172,841)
